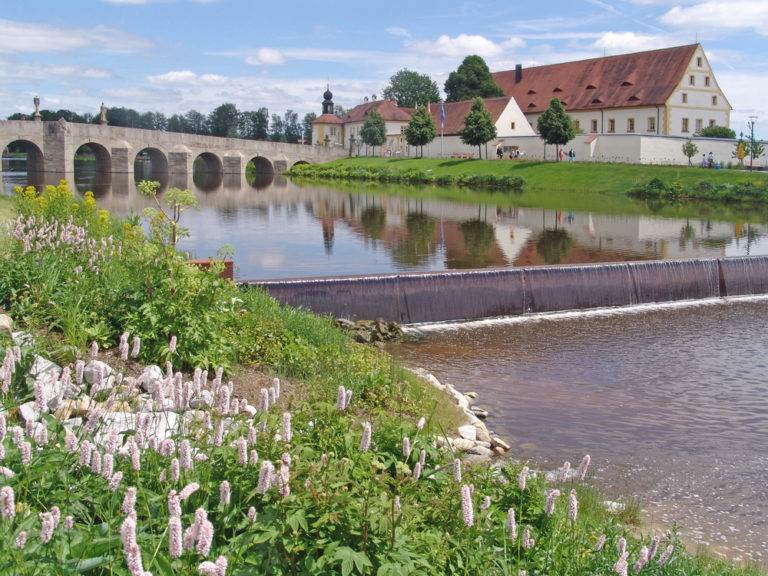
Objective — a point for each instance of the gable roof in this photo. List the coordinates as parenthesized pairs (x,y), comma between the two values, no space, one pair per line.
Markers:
(388,109)
(327,119)
(456,111)
(639,79)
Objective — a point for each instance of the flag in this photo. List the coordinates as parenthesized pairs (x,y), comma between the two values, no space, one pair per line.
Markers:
(442,116)
(429,108)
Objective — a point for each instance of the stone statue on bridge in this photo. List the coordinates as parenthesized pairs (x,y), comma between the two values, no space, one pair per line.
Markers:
(36,115)
(103,117)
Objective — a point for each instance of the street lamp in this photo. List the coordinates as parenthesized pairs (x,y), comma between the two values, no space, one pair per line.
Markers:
(752,120)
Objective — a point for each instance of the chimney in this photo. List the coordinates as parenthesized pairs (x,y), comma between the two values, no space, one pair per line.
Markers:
(518,73)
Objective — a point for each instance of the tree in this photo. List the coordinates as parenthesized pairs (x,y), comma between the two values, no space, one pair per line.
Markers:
(411,89)
(718,132)
(690,150)
(555,126)
(222,121)
(177,123)
(339,110)
(307,127)
(254,124)
(754,149)
(277,129)
(292,128)
(421,129)
(740,151)
(478,126)
(374,130)
(472,79)
(195,123)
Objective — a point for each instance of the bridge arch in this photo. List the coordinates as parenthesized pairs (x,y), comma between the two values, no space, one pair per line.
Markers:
(102,161)
(262,165)
(208,172)
(33,160)
(150,164)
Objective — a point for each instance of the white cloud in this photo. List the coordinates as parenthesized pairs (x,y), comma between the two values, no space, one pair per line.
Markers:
(42,38)
(266,57)
(612,43)
(398,31)
(460,46)
(718,15)
(187,78)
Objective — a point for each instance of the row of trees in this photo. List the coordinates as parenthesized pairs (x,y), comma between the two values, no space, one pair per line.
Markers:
(225,120)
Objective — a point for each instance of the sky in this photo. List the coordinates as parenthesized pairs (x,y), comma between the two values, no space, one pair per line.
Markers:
(172,56)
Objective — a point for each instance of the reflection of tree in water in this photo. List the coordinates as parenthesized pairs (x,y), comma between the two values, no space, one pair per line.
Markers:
(553,245)
(687,233)
(374,220)
(478,238)
(417,247)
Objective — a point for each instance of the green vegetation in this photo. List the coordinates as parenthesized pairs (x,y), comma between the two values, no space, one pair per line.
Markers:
(690,150)
(472,79)
(421,129)
(478,126)
(555,125)
(308,483)
(718,132)
(374,130)
(411,89)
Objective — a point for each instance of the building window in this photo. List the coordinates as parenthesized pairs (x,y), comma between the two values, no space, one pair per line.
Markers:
(684,97)
(698,61)
(714,100)
(699,124)
(511,125)
(593,126)
(692,80)
(630,124)
(651,124)
(685,125)
(333,131)
(706,80)
(402,129)
(611,125)
(711,123)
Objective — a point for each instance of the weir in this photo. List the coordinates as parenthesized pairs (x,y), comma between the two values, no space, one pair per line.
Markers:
(476,294)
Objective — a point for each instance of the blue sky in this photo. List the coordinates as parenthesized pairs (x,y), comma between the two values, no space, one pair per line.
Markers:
(171,56)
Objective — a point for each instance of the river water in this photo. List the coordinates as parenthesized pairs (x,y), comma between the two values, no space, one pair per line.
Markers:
(670,401)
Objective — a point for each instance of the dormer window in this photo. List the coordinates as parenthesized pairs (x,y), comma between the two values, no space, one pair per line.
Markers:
(626,83)
(531,91)
(531,105)
(633,98)
(597,101)
(591,87)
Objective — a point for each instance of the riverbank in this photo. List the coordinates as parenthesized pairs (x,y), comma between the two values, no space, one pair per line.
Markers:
(351,476)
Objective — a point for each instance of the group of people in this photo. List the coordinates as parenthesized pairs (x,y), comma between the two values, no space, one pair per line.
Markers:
(571,155)
(513,153)
(708,160)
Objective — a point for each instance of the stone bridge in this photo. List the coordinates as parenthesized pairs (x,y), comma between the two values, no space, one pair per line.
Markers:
(51,148)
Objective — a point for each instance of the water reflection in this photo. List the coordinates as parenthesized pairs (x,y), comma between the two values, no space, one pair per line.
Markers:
(281,230)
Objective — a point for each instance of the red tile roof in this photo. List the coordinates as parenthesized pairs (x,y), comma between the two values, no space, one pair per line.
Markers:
(639,79)
(456,111)
(327,119)
(387,108)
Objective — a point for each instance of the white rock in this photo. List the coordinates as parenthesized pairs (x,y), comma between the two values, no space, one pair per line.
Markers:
(48,373)
(480,450)
(205,400)
(482,432)
(468,432)
(462,444)
(89,372)
(479,412)
(6,324)
(497,442)
(252,411)
(470,395)
(28,412)
(150,378)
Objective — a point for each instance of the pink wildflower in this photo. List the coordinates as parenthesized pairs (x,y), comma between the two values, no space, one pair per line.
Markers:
(528,542)
(287,434)
(467,511)
(175,470)
(457,470)
(94,349)
(252,435)
(129,500)
(621,545)
(340,399)
(205,539)
(224,492)
(420,424)
(174,504)
(573,506)
(406,447)
(564,471)
(600,543)
(422,457)
(114,482)
(188,490)
(653,548)
(69,522)
(242,451)
(224,400)
(26,452)
(208,568)
(522,478)
(486,503)
(21,540)
(254,458)
(665,555)
(621,565)
(365,441)
(323,460)
(96,462)
(185,459)
(511,524)
(642,559)
(252,514)
(172,345)
(56,514)
(40,404)
(581,472)
(174,536)
(7,472)
(263,400)
(107,465)
(276,386)
(7,503)
(265,477)
(136,347)
(549,508)
(46,528)
(417,471)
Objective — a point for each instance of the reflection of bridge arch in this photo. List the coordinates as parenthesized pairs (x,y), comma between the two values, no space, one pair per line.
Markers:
(35,157)
(157,160)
